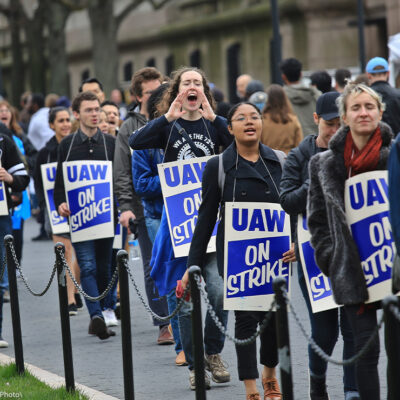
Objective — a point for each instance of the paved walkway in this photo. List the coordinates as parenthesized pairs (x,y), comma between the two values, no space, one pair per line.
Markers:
(98,364)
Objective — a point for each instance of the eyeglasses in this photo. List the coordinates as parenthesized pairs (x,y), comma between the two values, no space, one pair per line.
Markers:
(4,110)
(251,118)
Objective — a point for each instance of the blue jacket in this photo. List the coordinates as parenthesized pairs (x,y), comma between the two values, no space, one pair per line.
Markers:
(147,182)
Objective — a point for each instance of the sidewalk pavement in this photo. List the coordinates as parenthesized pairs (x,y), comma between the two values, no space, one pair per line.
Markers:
(98,364)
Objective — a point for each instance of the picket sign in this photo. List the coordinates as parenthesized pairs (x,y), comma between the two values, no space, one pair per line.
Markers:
(318,285)
(117,244)
(181,188)
(256,236)
(58,224)
(3,197)
(89,192)
(367,213)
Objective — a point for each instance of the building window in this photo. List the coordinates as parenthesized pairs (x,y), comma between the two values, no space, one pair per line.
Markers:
(128,71)
(195,59)
(151,62)
(85,74)
(233,64)
(169,65)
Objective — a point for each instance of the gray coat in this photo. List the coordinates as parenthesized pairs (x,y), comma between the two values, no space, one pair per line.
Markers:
(336,253)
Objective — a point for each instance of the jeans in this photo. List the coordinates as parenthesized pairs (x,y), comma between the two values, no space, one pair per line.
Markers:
(363,321)
(157,304)
(214,340)
(325,332)
(94,260)
(5,228)
(152,225)
(171,300)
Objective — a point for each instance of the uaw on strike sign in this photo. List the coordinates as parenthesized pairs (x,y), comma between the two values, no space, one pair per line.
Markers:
(181,188)
(367,213)
(89,191)
(256,236)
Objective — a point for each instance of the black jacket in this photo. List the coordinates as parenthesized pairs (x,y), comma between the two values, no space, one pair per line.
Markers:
(336,252)
(391,98)
(253,184)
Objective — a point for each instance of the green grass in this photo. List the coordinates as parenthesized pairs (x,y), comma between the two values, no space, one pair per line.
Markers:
(26,386)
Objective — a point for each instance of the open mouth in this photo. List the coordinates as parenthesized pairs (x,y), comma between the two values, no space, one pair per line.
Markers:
(192,98)
(250,130)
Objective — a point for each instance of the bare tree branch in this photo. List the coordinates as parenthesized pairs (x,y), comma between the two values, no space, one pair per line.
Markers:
(157,5)
(74,5)
(126,10)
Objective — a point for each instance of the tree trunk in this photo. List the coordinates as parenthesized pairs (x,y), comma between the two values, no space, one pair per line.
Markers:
(104,43)
(58,60)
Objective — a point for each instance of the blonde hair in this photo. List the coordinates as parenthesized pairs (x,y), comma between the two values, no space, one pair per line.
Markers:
(353,88)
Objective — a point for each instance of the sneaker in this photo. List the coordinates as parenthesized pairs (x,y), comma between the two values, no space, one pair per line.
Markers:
(164,336)
(180,359)
(351,395)
(3,343)
(271,389)
(192,380)
(72,310)
(217,367)
(318,388)
(6,296)
(99,328)
(78,301)
(109,317)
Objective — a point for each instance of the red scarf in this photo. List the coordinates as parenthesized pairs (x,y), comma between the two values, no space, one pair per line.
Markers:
(359,161)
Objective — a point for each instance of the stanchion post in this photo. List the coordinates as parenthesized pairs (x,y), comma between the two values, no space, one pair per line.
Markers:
(392,344)
(282,334)
(15,315)
(197,334)
(126,334)
(64,317)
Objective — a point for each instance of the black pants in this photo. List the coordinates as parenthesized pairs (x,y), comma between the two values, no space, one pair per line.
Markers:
(246,323)
(362,319)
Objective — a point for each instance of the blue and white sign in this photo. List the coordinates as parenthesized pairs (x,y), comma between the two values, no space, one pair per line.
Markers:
(58,224)
(181,188)
(318,285)
(117,244)
(367,213)
(89,192)
(3,199)
(256,236)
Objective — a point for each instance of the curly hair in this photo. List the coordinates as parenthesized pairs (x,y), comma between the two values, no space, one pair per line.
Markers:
(173,90)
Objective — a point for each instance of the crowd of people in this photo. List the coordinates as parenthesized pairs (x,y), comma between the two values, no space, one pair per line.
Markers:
(294,145)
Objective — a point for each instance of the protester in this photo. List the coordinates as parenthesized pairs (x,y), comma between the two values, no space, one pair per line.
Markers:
(255,169)
(189,103)
(280,129)
(378,75)
(241,84)
(303,98)
(60,122)
(95,86)
(112,112)
(294,186)
(93,256)
(103,125)
(362,145)
(14,177)
(144,82)
(342,75)
(322,81)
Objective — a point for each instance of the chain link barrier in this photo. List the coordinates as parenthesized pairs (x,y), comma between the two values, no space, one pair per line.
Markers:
(3,269)
(395,311)
(79,287)
(19,268)
(318,349)
(220,326)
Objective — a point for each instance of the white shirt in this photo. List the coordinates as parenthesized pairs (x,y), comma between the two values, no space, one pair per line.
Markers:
(39,131)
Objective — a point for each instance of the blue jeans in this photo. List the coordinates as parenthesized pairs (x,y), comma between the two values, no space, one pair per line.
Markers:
(5,229)
(214,340)
(325,332)
(171,300)
(94,260)
(152,225)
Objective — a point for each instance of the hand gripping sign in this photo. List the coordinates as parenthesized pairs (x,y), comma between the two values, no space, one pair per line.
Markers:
(89,192)
(58,224)
(367,213)
(318,285)
(181,188)
(256,236)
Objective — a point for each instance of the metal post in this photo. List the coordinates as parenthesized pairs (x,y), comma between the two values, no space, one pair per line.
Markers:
(282,335)
(276,45)
(64,317)
(361,38)
(15,316)
(126,334)
(197,335)
(392,344)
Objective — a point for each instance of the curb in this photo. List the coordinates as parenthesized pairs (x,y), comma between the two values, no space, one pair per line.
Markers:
(56,381)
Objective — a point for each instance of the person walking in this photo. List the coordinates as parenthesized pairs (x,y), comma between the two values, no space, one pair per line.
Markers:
(361,145)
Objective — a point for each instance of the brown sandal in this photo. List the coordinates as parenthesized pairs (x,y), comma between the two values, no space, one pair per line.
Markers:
(271,389)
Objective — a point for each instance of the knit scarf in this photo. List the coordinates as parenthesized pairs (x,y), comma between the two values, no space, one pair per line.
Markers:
(359,161)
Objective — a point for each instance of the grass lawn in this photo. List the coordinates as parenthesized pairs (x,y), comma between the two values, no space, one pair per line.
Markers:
(26,386)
